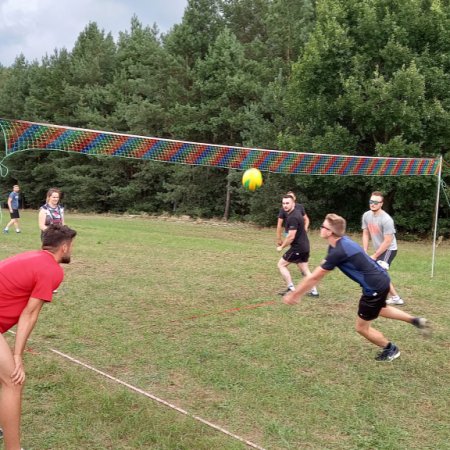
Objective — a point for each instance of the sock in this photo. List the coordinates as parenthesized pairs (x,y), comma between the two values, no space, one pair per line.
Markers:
(291,286)
(415,321)
(389,346)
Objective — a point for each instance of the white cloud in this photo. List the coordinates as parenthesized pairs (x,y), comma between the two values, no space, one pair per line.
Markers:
(37,27)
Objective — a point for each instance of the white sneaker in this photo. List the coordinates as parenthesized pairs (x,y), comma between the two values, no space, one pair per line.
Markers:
(395,300)
(285,291)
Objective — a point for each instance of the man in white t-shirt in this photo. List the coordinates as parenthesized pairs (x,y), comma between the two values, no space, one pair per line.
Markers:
(378,226)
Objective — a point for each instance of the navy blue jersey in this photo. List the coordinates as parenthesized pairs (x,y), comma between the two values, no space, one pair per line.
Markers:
(353,261)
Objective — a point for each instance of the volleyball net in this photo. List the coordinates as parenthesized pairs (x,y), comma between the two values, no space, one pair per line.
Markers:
(22,135)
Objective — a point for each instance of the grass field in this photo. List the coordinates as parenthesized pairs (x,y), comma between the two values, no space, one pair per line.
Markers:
(164,305)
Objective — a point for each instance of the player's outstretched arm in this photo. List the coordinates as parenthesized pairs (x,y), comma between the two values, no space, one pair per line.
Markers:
(305,286)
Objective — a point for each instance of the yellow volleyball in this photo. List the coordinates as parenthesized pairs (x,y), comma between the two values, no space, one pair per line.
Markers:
(252,179)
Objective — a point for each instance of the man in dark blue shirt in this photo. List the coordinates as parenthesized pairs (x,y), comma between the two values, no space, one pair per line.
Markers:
(351,259)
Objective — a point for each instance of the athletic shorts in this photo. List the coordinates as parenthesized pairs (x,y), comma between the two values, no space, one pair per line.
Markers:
(388,256)
(370,306)
(295,256)
(14,214)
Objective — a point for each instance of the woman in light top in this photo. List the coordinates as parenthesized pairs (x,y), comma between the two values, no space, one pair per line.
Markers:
(52,212)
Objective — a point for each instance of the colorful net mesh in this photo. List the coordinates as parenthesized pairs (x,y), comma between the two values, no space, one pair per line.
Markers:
(21,135)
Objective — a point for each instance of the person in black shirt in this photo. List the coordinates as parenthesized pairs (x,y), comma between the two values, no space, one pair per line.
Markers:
(298,241)
(282,216)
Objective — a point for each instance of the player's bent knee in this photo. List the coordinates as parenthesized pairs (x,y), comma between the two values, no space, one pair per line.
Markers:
(362,327)
(8,385)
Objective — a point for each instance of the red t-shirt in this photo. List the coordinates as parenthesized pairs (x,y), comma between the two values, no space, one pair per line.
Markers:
(31,274)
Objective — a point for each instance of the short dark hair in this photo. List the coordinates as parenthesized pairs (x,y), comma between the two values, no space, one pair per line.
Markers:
(55,235)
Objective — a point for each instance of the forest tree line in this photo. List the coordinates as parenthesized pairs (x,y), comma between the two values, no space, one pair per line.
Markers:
(356,77)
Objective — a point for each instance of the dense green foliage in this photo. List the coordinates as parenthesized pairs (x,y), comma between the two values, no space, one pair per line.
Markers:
(363,77)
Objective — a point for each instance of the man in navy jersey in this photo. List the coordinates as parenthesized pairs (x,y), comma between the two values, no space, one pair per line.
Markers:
(353,261)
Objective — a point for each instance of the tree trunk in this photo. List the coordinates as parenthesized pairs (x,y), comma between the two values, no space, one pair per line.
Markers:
(226,214)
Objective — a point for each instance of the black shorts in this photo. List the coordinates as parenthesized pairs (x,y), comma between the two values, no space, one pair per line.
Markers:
(388,256)
(14,214)
(370,306)
(295,256)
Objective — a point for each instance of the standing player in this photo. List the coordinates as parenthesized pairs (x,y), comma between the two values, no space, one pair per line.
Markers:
(298,241)
(13,206)
(282,216)
(353,261)
(52,212)
(27,281)
(378,226)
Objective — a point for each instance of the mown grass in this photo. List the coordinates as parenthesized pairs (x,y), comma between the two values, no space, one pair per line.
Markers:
(146,300)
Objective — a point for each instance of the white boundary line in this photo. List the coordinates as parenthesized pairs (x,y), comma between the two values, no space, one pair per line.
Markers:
(159,400)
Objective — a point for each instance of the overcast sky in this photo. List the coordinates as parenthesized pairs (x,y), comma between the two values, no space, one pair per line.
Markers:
(37,27)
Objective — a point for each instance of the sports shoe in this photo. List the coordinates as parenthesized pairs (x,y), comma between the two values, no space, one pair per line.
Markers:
(395,300)
(285,291)
(388,354)
(423,325)
(313,293)
(17,231)
(5,230)
(1,433)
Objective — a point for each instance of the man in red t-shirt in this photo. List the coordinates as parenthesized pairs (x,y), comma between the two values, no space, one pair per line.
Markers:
(27,281)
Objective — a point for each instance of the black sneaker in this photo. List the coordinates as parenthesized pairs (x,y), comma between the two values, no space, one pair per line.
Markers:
(388,354)
(285,291)
(423,325)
